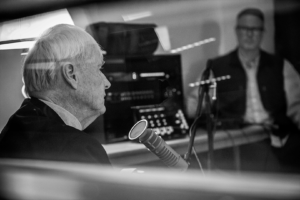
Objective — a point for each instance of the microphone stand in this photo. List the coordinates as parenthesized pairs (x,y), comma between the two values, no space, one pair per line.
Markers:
(194,125)
(209,128)
(203,94)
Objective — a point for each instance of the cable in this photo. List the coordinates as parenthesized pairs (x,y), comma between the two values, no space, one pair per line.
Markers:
(198,160)
(199,110)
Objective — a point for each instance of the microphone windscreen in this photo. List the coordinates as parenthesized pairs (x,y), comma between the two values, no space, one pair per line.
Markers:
(157,145)
(138,129)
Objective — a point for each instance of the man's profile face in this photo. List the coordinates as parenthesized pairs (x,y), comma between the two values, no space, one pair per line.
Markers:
(94,83)
(249,31)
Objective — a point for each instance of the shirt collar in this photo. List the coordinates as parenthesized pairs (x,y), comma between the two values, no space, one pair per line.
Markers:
(68,118)
(246,62)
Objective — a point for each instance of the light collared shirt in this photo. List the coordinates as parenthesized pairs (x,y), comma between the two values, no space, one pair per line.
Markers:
(255,112)
(68,118)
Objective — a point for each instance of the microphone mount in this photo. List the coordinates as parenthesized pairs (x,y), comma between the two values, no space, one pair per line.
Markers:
(210,81)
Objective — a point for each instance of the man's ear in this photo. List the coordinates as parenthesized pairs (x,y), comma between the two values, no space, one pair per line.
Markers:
(70,75)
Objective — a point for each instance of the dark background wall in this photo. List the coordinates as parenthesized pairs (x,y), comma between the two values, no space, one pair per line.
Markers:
(287,30)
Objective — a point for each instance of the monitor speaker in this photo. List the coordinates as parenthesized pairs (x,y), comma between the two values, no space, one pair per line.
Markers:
(120,39)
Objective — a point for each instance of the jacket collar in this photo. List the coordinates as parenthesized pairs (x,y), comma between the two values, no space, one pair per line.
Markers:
(42,109)
(235,61)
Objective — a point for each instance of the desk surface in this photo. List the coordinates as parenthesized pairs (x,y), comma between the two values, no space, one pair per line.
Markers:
(130,153)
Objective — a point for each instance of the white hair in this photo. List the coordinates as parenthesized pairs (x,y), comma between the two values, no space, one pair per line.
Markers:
(55,46)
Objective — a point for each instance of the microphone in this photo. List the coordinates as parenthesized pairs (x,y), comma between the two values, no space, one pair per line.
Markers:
(157,145)
(214,94)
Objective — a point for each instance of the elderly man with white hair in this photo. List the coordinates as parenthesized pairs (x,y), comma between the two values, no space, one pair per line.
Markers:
(66,89)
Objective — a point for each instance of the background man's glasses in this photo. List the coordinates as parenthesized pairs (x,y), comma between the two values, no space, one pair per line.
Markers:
(245,29)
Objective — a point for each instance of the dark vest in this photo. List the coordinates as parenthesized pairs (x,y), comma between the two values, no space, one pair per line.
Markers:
(231,94)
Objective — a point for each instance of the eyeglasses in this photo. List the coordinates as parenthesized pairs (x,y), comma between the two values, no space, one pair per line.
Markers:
(245,29)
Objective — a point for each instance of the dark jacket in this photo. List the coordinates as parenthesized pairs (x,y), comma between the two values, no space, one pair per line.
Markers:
(35,131)
(231,94)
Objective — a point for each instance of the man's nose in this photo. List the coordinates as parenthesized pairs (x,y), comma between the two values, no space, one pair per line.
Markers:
(250,33)
(106,82)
